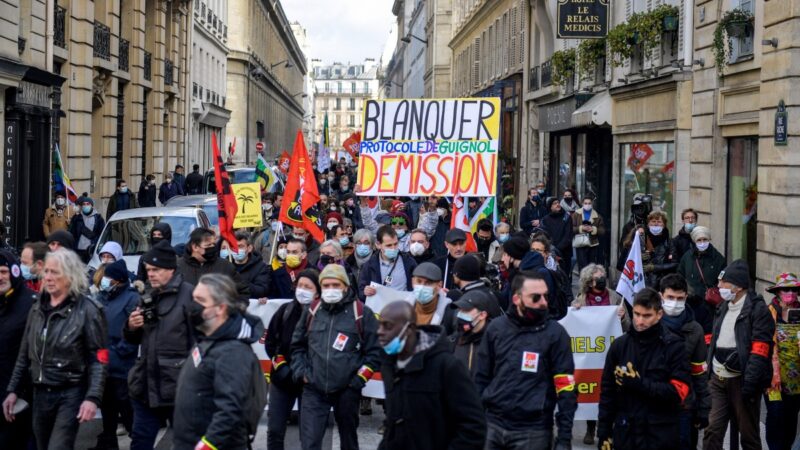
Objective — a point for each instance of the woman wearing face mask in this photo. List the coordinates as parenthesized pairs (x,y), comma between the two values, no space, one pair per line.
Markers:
(400,222)
(330,252)
(284,391)
(332,219)
(783,396)
(280,285)
(658,249)
(119,299)
(364,244)
(587,221)
(503,232)
(701,267)
(683,240)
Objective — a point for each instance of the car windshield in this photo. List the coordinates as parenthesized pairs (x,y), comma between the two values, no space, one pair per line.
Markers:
(237,176)
(134,234)
(211,213)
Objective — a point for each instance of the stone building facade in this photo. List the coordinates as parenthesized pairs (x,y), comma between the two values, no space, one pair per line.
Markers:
(438,29)
(208,106)
(265,79)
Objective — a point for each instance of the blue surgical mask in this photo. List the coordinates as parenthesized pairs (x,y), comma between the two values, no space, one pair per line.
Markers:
(401,233)
(395,346)
(423,294)
(26,272)
(224,253)
(240,255)
(345,241)
(655,230)
(123,190)
(391,253)
(689,227)
(105,284)
(502,238)
(363,250)
(86,209)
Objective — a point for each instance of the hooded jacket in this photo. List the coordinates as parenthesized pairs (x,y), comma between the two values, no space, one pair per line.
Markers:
(329,351)
(147,194)
(118,306)
(165,345)
(432,402)
(559,228)
(73,351)
(524,371)
(215,385)
(166,232)
(254,273)
(643,412)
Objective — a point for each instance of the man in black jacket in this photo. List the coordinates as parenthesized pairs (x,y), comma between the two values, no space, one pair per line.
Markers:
(530,218)
(740,359)
(202,257)
(16,301)
(467,275)
(222,368)
(194,181)
(388,267)
(250,267)
(147,191)
(525,369)
(455,241)
(431,402)
(476,308)
(162,327)
(645,382)
(335,352)
(86,228)
(121,200)
(558,225)
(680,320)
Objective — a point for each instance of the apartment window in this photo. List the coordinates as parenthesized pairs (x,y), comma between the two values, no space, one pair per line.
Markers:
(352,120)
(366,88)
(338,87)
(327,87)
(742,48)
(352,104)
(353,88)
(338,104)
(194,89)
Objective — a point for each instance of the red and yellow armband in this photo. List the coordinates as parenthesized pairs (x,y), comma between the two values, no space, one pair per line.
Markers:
(204,445)
(278,361)
(699,368)
(564,382)
(365,373)
(760,349)
(682,389)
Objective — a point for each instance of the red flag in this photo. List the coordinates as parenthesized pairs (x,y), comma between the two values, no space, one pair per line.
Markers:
(301,197)
(460,219)
(284,162)
(226,201)
(353,144)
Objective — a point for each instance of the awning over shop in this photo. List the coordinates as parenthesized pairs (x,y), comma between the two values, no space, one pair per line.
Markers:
(596,111)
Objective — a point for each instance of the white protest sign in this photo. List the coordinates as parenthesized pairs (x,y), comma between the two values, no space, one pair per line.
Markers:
(385,295)
(592,329)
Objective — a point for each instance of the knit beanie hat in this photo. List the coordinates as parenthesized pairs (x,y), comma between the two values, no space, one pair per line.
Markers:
(117,271)
(700,232)
(336,272)
(335,216)
(7,259)
(63,237)
(161,255)
(737,273)
(467,268)
(517,247)
(313,276)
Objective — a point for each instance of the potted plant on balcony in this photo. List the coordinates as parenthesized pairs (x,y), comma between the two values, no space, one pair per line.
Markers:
(666,17)
(735,23)
(618,47)
(590,53)
(563,66)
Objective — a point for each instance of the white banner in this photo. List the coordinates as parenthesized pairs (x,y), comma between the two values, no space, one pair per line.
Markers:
(592,329)
(632,279)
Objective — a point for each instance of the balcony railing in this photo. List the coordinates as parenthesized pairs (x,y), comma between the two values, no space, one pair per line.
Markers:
(59,25)
(533,79)
(102,41)
(124,49)
(148,63)
(169,70)
(547,73)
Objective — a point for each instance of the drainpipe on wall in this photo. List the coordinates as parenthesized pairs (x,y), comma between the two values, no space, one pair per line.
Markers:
(688,28)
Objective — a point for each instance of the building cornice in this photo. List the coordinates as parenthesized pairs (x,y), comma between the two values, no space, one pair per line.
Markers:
(284,29)
(466,29)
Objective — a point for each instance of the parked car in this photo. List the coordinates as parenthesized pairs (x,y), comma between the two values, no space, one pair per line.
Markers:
(208,203)
(131,230)
(237,175)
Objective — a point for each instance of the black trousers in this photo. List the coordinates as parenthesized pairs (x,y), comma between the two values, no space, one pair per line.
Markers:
(17,435)
(116,408)
(280,407)
(55,416)
(314,417)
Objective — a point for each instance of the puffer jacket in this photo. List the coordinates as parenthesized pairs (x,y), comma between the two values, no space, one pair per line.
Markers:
(165,345)
(643,412)
(329,351)
(215,385)
(73,352)
(118,306)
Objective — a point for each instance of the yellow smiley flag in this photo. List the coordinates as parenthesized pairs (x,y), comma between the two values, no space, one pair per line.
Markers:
(248,199)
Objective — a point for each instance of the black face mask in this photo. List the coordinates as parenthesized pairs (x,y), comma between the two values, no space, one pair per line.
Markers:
(324,260)
(600,284)
(533,316)
(196,314)
(568,200)
(155,240)
(210,254)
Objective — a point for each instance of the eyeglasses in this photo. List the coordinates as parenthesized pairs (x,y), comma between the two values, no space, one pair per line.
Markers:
(398,221)
(538,297)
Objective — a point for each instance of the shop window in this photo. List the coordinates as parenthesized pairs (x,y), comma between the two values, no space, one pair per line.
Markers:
(647,168)
(742,200)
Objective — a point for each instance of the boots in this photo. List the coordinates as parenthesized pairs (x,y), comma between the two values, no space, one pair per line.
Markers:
(591,425)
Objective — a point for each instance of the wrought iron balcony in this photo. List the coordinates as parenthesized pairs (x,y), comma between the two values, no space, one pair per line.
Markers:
(547,73)
(169,72)
(102,41)
(533,79)
(21,41)
(124,49)
(148,71)
(60,27)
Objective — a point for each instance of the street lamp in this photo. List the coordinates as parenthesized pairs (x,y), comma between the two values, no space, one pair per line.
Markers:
(407,39)
(254,73)
(304,95)
(287,65)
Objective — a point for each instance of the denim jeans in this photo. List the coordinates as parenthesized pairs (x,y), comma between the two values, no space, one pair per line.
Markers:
(55,411)
(534,439)
(314,417)
(280,407)
(116,405)
(146,423)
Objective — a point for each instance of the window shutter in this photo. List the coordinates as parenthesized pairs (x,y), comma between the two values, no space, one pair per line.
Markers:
(512,50)
(476,62)
(498,46)
(522,42)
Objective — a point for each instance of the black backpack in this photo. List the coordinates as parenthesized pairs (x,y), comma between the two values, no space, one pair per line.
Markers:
(562,298)
(254,408)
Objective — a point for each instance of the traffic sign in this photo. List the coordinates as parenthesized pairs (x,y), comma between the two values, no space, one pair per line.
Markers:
(259,146)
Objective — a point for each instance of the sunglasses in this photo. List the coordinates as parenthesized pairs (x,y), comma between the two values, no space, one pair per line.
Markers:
(538,297)
(398,221)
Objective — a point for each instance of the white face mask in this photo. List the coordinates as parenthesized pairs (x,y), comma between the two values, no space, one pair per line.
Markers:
(703,246)
(441,212)
(416,248)
(332,295)
(304,296)
(656,230)
(673,307)
(60,202)
(281,253)
(332,224)
(727,294)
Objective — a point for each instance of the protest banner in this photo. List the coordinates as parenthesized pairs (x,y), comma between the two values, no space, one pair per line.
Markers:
(632,279)
(385,295)
(248,200)
(422,147)
(591,331)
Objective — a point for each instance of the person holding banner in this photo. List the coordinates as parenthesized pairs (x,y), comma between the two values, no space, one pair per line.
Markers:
(447,413)
(645,382)
(525,369)
(283,389)
(389,267)
(658,249)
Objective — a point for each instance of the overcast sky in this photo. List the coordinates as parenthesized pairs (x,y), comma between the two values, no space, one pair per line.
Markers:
(343,30)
